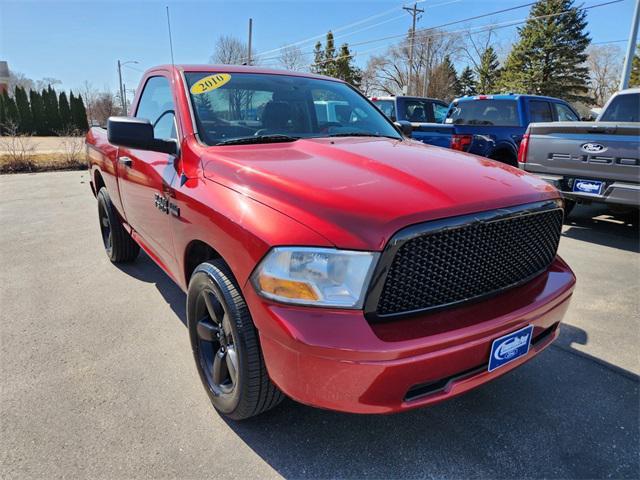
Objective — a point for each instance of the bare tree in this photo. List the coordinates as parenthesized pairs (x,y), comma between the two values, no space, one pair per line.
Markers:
(18,79)
(391,70)
(72,141)
(18,148)
(230,51)
(103,106)
(605,63)
(291,58)
(89,94)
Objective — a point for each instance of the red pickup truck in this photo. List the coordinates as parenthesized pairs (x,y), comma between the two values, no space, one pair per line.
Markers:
(327,258)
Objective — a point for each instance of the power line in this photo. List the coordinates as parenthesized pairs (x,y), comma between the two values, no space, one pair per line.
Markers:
(477,29)
(346,27)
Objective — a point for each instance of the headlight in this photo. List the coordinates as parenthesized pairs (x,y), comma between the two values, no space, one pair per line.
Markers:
(315,276)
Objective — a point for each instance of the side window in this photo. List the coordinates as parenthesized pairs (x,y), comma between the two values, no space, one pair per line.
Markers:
(540,111)
(564,113)
(156,105)
(439,112)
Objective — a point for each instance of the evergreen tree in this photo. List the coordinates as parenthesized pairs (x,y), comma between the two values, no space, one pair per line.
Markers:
(318,57)
(467,82)
(78,113)
(37,112)
(488,71)
(53,111)
(12,115)
(345,70)
(3,114)
(549,58)
(634,80)
(65,111)
(24,110)
(329,56)
(443,81)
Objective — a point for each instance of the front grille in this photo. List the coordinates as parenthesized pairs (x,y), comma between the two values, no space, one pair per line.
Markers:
(455,262)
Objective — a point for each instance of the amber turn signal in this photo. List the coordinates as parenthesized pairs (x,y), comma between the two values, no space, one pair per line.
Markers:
(286,288)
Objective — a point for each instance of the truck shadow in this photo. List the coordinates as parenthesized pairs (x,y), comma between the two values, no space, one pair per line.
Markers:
(564,414)
(596,224)
(146,270)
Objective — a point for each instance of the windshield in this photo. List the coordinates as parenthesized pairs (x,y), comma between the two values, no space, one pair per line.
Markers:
(257,108)
(484,112)
(623,108)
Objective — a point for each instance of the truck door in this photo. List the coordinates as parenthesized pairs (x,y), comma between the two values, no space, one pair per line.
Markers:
(147,178)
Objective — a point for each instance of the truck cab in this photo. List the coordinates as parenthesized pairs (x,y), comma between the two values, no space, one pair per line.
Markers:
(493,125)
(426,116)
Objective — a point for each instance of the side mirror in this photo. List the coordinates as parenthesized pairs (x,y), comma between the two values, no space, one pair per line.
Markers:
(137,133)
(393,118)
(404,127)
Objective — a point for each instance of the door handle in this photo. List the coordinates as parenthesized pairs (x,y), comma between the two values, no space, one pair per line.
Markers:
(126,161)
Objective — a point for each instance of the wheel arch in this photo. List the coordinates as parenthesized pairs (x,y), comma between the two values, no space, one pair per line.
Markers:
(196,252)
(98,181)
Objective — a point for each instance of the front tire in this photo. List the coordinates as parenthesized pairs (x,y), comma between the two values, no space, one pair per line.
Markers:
(118,244)
(225,345)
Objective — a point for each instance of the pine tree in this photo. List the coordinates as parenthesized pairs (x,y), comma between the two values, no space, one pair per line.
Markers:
(634,80)
(37,112)
(443,81)
(488,71)
(24,110)
(329,64)
(78,113)
(318,57)
(549,58)
(53,111)
(65,111)
(3,114)
(345,70)
(12,115)
(467,82)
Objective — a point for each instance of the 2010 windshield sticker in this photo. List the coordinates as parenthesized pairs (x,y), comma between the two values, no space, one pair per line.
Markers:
(209,83)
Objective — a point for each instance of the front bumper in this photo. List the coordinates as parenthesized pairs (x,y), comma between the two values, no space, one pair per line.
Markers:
(335,359)
(615,192)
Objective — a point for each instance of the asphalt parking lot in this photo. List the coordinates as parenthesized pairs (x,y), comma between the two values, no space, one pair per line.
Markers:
(97,380)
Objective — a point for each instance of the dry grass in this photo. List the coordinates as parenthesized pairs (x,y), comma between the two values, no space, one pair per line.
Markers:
(42,162)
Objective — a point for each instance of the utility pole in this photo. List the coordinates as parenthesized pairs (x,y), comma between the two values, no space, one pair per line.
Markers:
(250,37)
(124,107)
(414,11)
(631,46)
(123,95)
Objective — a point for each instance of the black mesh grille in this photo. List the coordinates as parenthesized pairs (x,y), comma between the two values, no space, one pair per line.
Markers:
(472,260)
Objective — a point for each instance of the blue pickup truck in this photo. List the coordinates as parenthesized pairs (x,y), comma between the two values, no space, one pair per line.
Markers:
(486,125)
(426,116)
(493,125)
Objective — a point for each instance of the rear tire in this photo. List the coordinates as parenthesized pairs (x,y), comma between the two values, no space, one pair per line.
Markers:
(118,244)
(503,156)
(225,345)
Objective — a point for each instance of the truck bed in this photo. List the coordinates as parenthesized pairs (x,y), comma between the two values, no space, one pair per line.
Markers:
(588,161)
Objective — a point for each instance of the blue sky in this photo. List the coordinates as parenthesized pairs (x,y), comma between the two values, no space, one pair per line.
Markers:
(81,40)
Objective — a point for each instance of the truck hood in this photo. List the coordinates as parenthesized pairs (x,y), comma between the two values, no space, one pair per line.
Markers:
(357,192)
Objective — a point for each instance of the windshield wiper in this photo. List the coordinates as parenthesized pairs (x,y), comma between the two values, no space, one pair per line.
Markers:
(275,138)
(361,134)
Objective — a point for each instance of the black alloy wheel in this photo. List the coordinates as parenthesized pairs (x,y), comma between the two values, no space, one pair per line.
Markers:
(225,344)
(218,357)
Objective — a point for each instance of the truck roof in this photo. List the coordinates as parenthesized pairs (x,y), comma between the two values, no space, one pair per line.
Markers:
(236,69)
(411,97)
(502,96)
